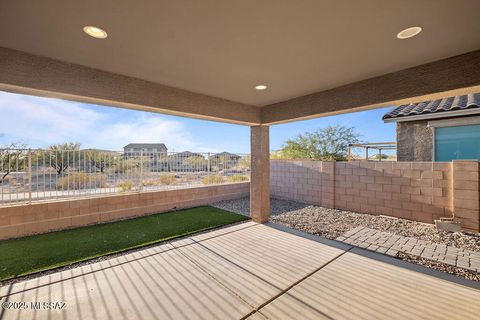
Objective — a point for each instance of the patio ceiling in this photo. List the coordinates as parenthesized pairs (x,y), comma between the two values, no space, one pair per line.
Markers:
(203,59)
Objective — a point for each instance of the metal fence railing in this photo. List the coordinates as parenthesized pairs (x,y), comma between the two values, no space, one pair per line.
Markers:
(28,175)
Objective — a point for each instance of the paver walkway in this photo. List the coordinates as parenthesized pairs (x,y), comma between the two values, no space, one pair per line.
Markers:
(245,271)
(389,243)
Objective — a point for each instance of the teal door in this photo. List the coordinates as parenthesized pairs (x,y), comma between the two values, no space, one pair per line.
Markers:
(461,142)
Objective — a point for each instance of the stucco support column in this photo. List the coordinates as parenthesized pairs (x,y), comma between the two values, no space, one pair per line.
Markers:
(260,174)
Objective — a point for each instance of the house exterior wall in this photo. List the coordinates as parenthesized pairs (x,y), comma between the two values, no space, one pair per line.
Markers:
(414,141)
(420,191)
(23,220)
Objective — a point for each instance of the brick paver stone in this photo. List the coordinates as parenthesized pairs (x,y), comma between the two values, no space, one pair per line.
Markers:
(390,244)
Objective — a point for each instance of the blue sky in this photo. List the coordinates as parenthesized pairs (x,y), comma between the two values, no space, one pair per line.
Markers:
(40,122)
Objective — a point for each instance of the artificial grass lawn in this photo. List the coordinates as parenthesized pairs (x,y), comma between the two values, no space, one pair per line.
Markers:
(37,253)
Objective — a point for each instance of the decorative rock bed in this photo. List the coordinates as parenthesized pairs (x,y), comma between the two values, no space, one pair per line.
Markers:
(332,223)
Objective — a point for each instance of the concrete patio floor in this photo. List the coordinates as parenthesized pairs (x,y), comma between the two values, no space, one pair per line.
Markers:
(248,271)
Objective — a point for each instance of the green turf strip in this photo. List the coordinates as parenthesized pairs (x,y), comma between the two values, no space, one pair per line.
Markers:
(42,252)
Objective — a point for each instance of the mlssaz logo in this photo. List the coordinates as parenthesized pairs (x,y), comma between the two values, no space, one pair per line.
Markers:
(47,305)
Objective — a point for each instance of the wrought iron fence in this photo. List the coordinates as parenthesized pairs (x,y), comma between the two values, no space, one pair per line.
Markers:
(28,175)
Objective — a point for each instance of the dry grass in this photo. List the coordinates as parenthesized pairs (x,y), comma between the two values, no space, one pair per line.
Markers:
(237,178)
(125,186)
(150,183)
(168,179)
(214,179)
(77,181)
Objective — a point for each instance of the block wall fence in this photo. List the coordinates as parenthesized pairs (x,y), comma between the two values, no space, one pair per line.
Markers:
(421,191)
(41,217)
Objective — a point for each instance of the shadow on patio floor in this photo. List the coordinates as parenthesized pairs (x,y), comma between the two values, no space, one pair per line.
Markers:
(248,270)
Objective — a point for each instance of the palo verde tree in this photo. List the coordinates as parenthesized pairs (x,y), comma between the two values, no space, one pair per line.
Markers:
(101,160)
(329,143)
(130,164)
(12,158)
(62,156)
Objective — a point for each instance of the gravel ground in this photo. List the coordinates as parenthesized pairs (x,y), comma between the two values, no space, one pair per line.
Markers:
(242,206)
(331,223)
(464,273)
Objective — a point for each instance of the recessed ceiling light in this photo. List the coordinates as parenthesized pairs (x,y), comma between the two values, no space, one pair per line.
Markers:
(95,32)
(261,87)
(409,32)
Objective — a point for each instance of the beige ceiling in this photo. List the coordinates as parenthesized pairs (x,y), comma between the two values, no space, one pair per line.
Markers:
(224,48)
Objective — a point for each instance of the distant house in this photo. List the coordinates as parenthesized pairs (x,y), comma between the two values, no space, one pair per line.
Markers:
(157,154)
(187,154)
(146,149)
(438,130)
(226,155)
(178,161)
(225,159)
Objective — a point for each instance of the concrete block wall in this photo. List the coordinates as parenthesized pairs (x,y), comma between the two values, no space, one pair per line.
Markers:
(41,217)
(303,181)
(420,191)
(466,197)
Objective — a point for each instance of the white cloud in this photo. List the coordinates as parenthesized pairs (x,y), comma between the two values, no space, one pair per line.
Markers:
(40,122)
(145,129)
(50,120)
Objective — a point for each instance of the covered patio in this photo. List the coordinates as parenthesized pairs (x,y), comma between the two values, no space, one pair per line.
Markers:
(247,271)
(37,59)
(204,61)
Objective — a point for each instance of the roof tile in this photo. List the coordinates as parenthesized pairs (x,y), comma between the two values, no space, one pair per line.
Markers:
(467,101)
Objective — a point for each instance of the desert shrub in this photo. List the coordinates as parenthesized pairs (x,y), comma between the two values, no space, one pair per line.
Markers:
(79,180)
(8,179)
(237,178)
(197,162)
(126,166)
(98,181)
(189,178)
(213,179)
(168,179)
(125,186)
(150,183)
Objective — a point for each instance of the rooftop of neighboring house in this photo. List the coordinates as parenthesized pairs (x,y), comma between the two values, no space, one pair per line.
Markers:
(463,105)
(186,154)
(145,145)
(226,154)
